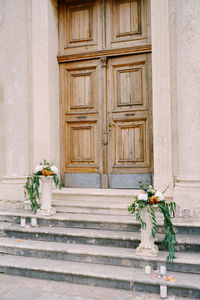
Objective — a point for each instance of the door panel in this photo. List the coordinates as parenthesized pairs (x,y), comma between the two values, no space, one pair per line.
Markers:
(80,90)
(129,110)
(128,88)
(127,23)
(81,117)
(82,146)
(80,26)
(130,137)
(130,147)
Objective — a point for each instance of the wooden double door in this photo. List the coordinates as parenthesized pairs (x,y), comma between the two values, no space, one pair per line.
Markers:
(105,90)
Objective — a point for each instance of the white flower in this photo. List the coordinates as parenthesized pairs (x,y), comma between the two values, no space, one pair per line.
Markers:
(38,168)
(54,169)
(142,197)
(159,195)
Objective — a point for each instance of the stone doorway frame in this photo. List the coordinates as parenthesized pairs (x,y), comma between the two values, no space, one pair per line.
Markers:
(43,77)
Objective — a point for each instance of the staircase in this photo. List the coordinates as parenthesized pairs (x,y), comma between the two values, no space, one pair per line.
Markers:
(92,241)
(97,201)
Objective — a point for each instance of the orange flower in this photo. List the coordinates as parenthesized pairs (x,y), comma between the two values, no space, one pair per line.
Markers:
(46,172)
(153,200)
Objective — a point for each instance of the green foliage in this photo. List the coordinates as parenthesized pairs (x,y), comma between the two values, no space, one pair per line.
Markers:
(170,239)
(154,221)
(57,181)
(32,189)
(143,186)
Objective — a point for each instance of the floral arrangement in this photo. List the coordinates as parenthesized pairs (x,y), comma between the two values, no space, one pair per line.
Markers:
(151,198)
(33,182)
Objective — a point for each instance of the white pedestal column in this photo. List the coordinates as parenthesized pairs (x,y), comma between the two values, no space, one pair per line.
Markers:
(147,247)
(46,207)
(187,185)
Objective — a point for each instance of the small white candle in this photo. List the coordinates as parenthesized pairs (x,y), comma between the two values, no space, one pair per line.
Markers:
(163,291)
(34,222)
(147,270)
(23,222)
(163,270)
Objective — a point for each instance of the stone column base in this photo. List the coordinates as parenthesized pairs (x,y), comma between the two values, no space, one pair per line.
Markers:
(187,197)
(45,212)
(12,192)
(150,252)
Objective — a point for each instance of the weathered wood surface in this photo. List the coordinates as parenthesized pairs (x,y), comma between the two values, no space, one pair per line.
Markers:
(105,85)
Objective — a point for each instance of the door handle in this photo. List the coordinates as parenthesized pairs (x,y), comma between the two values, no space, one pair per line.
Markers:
(130,114)
(81,117)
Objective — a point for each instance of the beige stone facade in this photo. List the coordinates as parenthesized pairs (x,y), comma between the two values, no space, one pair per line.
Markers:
(29,96)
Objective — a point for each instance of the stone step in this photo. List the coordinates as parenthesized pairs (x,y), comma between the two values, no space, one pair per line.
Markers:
(96,195)
(103,222)
(86,207)
(40,289)
(127,278)
(184,262)
(98,201)
(110,238)
(127,223)
(3,225)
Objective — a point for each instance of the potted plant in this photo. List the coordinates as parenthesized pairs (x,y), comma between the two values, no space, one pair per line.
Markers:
(47,173)
(145,206)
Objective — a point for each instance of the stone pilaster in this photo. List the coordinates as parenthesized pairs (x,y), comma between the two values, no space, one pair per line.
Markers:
(162,130)
(187,185)
(14,99)
(1,91)
(29,92)
(45,81)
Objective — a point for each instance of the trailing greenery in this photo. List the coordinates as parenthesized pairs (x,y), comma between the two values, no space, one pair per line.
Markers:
(170,239)
(151,199)
(33,183)
(57,181)
(32,189)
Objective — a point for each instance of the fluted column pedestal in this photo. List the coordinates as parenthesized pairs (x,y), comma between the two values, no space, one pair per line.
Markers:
(147,247)
(46,207)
